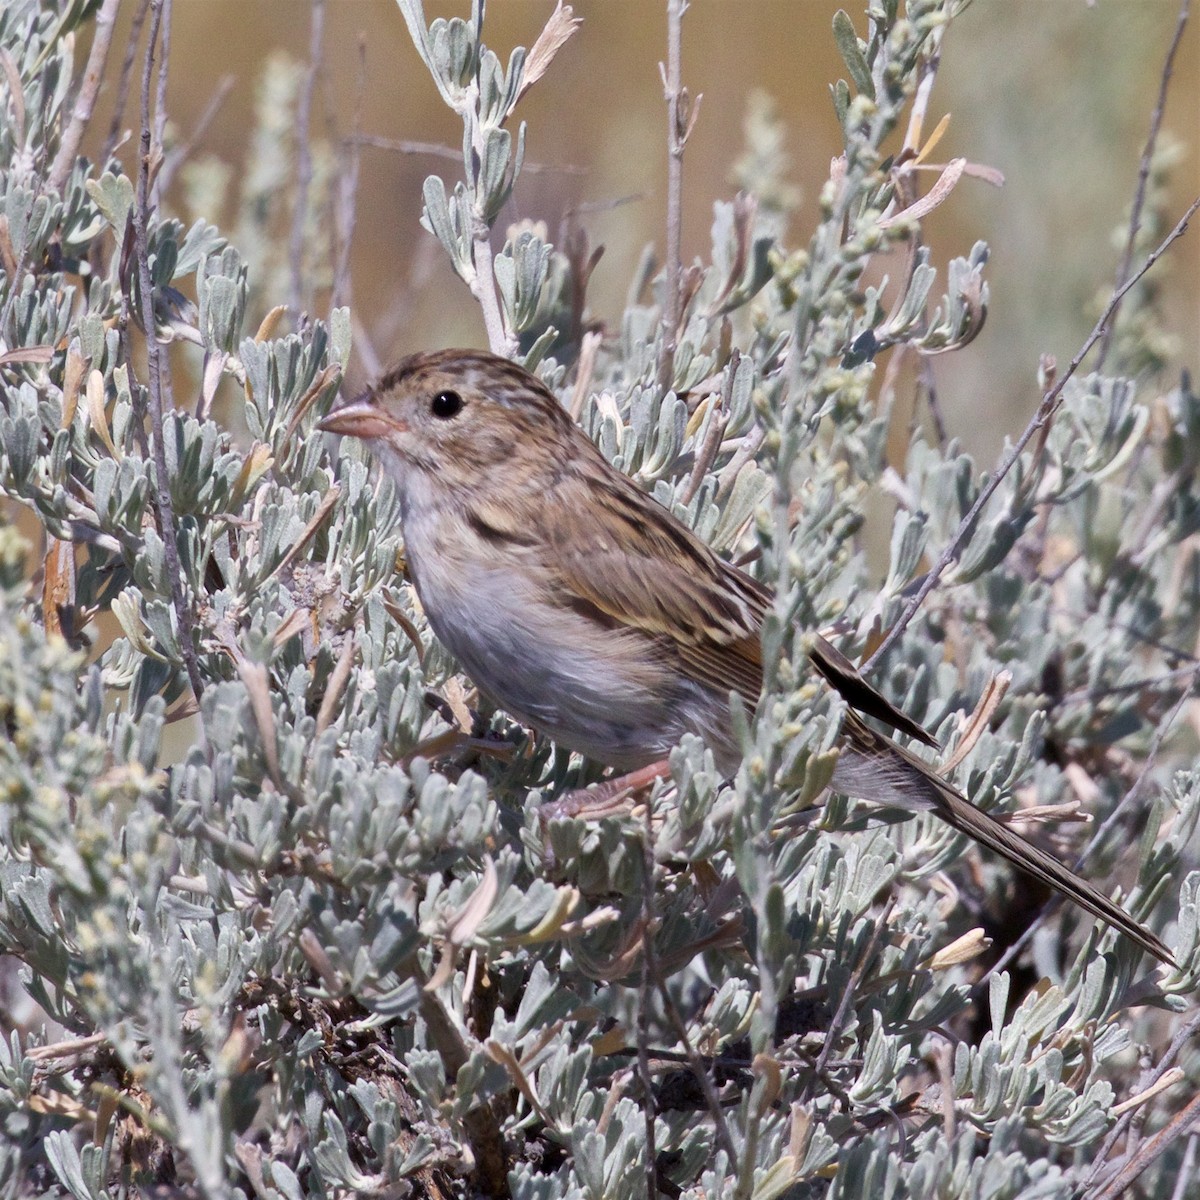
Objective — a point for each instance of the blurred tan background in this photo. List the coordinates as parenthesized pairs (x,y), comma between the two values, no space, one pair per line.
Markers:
(1056,94)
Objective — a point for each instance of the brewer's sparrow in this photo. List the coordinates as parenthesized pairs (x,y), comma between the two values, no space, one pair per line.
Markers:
(588,611)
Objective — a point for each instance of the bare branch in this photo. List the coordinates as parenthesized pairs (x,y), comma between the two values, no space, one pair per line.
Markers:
(126,78)
(156,369)
(1139,196)
(346,205)
(649,924)
(1187,1170)
(304,168)
(1151,1149)
(181,153)
(834,1028)
(454,154)
(676,137)
(699,1069)
(1131,794)
(160,105)
(85,98)
(1045,410)
(930,62)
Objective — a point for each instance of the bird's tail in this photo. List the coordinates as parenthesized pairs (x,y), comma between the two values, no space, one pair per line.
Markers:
(873,767)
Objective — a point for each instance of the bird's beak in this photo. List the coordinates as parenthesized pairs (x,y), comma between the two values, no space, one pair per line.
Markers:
(360,417)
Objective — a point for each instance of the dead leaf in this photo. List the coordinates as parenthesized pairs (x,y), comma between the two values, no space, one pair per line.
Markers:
(327,502)
(336,685)
(270,323)
(318,385)
(27,354)
(550,41)
(99,418)
(465,923)
(58,584)
(72,379)
(936,195)
(257,683)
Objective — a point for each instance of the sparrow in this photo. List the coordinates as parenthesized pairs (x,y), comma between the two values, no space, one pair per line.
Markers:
(586,610)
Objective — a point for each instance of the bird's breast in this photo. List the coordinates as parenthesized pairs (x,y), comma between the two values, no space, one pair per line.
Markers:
(605,692)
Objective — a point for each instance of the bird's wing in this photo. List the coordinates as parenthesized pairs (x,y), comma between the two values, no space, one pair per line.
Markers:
(842,675)
(637,568)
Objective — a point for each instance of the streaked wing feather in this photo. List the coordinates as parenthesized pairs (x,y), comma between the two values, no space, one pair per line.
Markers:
(736,666)
(645,571)
(843,676)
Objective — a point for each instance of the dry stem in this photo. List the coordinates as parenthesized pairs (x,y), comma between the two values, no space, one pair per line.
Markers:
(85,98)
(1045,410)
(1139,198)
(158,383)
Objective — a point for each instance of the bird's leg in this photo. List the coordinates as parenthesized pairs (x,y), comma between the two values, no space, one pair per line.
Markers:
(605,799)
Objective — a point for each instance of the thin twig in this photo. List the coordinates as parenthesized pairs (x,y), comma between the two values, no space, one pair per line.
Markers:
(438,150)
(1152,1148)
(834,1028)
(181,153)
(1172,652)
(405,146)
(673,91)
(125,79)
(699,1069)
(1187,1168)
(1139,197)
(156,369)
(68,1049)
(85,98)
(927,75)
(929,381)
(346,211)
(304,168)
(1045,410)
(1149,683)
(364,346)
(160,104)
(1165,1063)
(649,923)
(1134,791)
(741,456)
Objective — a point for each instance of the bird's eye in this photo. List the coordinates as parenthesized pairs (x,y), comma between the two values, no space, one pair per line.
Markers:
(446,405)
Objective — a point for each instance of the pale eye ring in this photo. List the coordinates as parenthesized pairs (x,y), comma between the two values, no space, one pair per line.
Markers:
(446,405)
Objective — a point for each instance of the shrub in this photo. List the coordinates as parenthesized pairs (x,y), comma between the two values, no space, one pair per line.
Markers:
(326,945)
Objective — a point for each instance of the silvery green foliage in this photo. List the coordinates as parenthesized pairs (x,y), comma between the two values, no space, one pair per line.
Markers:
(320,943)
